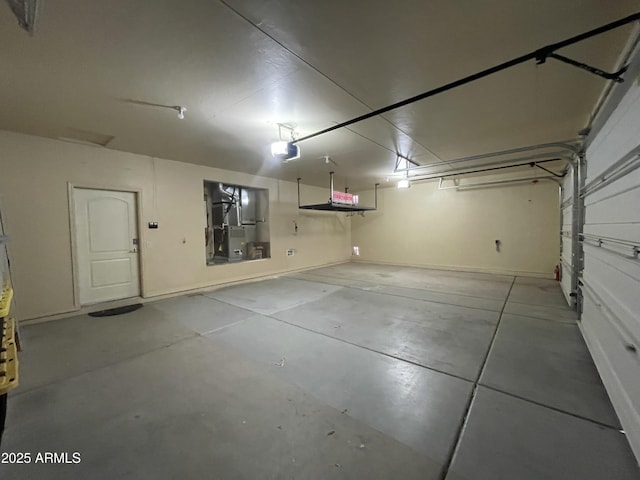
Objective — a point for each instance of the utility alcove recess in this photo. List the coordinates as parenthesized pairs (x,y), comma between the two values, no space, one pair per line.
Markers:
(237,228)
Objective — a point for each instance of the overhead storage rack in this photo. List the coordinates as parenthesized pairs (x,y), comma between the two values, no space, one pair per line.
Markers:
(336,206)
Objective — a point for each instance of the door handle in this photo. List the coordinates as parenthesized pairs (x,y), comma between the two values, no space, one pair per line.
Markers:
(135,250)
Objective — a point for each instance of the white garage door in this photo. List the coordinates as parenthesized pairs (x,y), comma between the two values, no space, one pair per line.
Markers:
(568,281)
(611,276)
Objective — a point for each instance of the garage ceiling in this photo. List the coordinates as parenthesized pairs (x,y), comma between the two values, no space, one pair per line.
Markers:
(240,67)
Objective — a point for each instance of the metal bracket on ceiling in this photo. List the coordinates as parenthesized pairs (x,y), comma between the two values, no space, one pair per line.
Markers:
(401,158)
(291,127)
(543,54)
(534,164)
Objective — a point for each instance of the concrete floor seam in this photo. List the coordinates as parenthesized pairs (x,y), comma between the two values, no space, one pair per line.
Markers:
(341,407)
(538,305)
(21,392)
(550,407)
(393,285)
(412,298)
(350,343)
(476,383)
(388,355)
(561,322)
(361,346)
(467,411)
(224,327)
(495,333)
(554,307)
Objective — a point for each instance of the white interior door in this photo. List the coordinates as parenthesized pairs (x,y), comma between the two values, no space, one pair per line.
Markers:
(106,245)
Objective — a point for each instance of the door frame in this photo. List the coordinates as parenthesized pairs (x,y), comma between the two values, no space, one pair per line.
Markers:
(72,229)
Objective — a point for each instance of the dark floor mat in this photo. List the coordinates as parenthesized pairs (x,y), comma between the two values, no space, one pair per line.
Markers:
(116,311)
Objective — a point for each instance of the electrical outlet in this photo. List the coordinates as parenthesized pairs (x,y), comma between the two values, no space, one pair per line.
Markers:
(290,252)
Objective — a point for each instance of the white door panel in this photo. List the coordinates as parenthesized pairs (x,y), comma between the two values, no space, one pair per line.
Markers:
(106,245)
(103,214)
(105,273)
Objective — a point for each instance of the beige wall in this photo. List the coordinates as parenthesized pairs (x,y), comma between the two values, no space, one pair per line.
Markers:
(420,226)
(457,229)
(35,174)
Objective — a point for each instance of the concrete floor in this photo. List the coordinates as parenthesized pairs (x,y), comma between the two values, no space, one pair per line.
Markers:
(349,372)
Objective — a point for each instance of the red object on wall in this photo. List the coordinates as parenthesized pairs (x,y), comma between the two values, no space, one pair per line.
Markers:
(558,272)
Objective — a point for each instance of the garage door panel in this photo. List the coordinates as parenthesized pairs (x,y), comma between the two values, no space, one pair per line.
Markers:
(629,231)
(615,210)
(621,301)
(567,283)
(600,322)
(616,365)
(619,135)
(610,317)
(608,200)
(601,261)
(566,248)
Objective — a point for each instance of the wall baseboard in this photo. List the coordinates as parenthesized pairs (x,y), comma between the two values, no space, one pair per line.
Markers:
(169,294)
(456,268)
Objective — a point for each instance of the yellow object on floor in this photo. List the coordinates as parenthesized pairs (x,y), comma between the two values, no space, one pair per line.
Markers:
(5,301)
(8,358)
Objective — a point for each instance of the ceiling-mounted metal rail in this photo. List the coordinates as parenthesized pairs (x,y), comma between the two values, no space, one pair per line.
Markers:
(407,161)
(615,76)
(570,146)
(337,206)
(495,183)
(483,168)
(557,175)
(543,52)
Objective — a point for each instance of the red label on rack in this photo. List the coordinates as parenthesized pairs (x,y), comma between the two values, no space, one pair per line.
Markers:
(345,198)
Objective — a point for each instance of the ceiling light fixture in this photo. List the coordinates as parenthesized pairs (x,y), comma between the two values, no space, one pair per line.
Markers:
(283,150)
(404,183)
(180,110)
(327,160)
